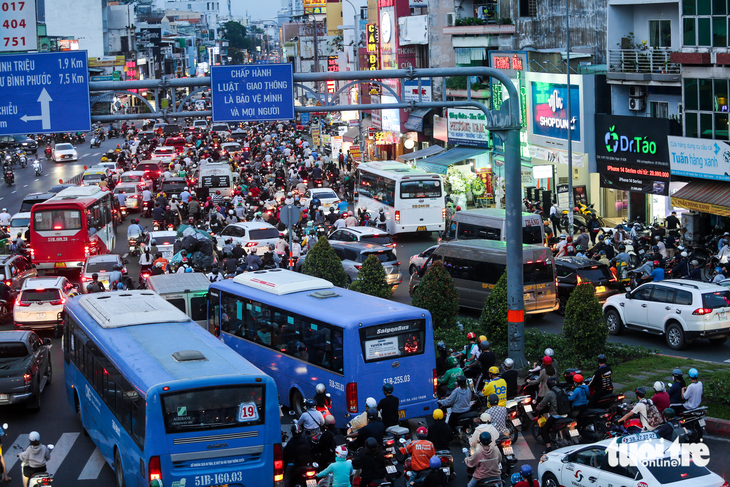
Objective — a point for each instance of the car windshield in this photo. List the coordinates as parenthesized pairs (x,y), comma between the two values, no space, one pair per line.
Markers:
(125,190)
(20,222)
(383,256)
(13,350)
(164,151)
(167,185)
(57,220)
(262,233)
(429,188)
(64,147)
(40,295)
(594,274)
(383,239)
(219,128)
(106,266)
(718,299)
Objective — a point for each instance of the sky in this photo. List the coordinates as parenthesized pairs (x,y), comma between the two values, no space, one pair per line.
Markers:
(257,9)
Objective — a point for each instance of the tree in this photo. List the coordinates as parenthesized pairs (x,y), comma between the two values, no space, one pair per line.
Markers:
(437,294)
(236,34)
(584,326)
(371,279)
(322,262)
(494,313)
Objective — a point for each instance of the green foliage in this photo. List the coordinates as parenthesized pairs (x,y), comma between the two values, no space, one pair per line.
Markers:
(459,83)
(438,295)
(371,279)
(494,313)
(717,389)
(235,33)
(584,326)
(322,262)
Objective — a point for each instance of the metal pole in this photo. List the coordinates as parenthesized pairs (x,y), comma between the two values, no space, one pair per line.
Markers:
(316,55)
(570,135)
(356,50)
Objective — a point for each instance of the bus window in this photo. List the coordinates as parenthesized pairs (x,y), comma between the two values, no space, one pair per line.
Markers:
(214,310)
(537,273)
(179,303)
(198,310)
(393,340)
(57,220)
(468,231)
(377,187)
(428,188)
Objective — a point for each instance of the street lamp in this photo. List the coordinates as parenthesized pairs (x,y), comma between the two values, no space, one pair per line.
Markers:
(356,56)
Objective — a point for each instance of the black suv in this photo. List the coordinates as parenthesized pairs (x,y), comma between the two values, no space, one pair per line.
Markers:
(18,142)
(573,271)
(33,199)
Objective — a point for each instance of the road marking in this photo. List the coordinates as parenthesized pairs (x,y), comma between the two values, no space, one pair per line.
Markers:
(727,361)
(25,186)
(93,467)
(522,449)
(61,450)
(11,458)
(2,197)
(14,192)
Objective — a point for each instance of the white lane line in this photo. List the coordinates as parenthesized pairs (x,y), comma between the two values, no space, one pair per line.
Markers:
(2,197)
(522,449)
(11,452)
(61,450)
(14,192)
(93,467)
(727,361)
(25,186)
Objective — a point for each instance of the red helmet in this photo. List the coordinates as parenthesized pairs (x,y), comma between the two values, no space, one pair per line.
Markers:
(422,432)
(547,360)
(471,336)
(569,239)
(656,263)
(577,378)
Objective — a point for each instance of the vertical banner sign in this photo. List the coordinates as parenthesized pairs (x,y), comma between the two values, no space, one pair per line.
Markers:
(373,48)
(332,67)
(388,35)
(18,26)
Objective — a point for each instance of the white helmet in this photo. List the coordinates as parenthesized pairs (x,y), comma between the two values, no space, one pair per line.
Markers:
(549,352)
(230,212)
(321,388)
(341,451)
(371,403)
(659,386)
(485,418)
(509,363)
(34,436)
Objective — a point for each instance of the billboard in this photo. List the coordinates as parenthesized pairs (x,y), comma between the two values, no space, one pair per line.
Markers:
(467,126)
(699,158)
(550,110)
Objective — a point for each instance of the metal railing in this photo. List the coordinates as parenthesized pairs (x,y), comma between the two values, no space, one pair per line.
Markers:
(656,61)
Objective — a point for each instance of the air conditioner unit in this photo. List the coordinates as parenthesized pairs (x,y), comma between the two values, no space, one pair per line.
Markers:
(636,104)
(636,92)
(450,19)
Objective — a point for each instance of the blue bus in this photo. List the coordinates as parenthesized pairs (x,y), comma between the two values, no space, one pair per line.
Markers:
(302,331)
(164,399)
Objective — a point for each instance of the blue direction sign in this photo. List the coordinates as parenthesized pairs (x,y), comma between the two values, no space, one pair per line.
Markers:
(252,93)
(44,92)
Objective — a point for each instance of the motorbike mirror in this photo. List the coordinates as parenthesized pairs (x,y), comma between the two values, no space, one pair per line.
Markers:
(465,450)
(292,413)
(315,464)
(5,426)
(402,441)
(60,181)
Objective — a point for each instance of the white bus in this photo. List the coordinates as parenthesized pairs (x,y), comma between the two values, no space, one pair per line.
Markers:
(413,200)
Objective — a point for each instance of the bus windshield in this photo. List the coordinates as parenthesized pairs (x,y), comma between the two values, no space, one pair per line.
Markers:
(57,220)
(213,408)
(399,339)
(428,188)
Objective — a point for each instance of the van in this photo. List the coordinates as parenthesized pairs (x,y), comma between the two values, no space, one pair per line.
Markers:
(188,292)
(476,266)
(491,224)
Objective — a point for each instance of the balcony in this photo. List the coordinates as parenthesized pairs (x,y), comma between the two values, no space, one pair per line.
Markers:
(651,66)
(480,30)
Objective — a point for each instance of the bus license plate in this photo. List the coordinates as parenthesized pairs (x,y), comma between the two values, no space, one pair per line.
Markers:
(401,414)
(421,229)
(573,432)
(59,264)
(600,289)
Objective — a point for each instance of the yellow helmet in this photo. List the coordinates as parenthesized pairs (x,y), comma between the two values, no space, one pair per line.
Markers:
(482,338)
(438,414)
(493,370)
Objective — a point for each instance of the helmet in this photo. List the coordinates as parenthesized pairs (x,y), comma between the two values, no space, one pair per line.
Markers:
(482,338)
(493,399)
(370,403)
(659,386)
(230,212)
(526,470)
(718,270)
(563,236)
(451,361)
(34,436)
(577,378)
(508,363)
(683,254)
(471,336)
(485,418)
(321,388)
(655,248)
(656,263)
(372,414)
(461,380)
(485,438)
(329,419)
(601,358)
(668,413)
(441,346)
(549,352)
(484,345)
(434,462)
(422,432)
(371,443)
(546,360)
(622,247)
(438,414)
(640,391)
(341,451)
(493,370)
(569,239)
(310,403)
(693,373)
(551,382)
(516,477)
(677,373)
(388,388)
(694,263)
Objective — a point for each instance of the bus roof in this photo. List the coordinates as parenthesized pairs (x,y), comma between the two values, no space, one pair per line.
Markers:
(130,309)
(161,352)
(324,304)
(394,170)
(492,245)
(281,281)
(178,283)
(89,193)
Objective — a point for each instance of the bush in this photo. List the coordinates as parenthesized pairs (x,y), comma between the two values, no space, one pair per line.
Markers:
(717,390)
(322,262)
(584,326)
(438,295)
(494,313)
(371,279)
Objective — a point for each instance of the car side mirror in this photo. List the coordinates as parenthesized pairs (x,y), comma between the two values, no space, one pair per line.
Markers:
(627,295)
(47,341)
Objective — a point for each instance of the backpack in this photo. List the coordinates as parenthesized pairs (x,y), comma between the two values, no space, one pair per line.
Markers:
(562,405)
(653,416)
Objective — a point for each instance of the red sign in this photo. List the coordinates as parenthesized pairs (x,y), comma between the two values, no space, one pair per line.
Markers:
(505,62)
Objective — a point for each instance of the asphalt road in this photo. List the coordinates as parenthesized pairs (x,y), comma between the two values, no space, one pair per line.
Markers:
(76,460)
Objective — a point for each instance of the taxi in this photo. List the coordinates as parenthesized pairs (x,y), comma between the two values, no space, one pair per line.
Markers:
(93,176)
(638,460)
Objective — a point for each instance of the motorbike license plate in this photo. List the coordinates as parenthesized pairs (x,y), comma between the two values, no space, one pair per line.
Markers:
(3,397)
(59,264)
(311,483)
(131,248)
(421,229)
(507,450)
(40,316)
(600,289)
(573,433)
(390,468)
(702,422)
(401,414)
(516,422)
(641,251)
(446,470)
(528,408)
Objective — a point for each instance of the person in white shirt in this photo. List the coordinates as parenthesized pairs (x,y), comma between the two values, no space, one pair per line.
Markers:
(296,248)
(724,252)
(302,187)
(487,426)
(340,223)
(692,394)
(662,248)
(640,409)
(5,218)
(146,195)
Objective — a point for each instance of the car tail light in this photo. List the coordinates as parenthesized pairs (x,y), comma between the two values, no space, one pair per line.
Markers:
(397,216)
(278,464)
(155,470)
(702,311)
(358,266)
(435,381)
(443,212)
(86,251)
(351,397)
(310,473)
(18,302)
(58,302)
(8,282)
(27,379)
(251,244)
(578,280)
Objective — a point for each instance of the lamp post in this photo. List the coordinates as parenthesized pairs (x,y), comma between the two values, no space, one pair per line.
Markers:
(356,55)
(570,135)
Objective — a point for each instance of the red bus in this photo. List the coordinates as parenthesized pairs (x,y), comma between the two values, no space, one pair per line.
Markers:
(71,226)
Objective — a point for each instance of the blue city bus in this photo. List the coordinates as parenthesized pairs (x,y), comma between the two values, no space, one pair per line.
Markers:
(302,331)
(164,399)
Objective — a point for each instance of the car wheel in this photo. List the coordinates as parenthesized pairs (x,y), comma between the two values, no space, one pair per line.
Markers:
(613,321)
(562,302)
(718,341)
(412,270)
(35,400)
(118,469)
(675,336)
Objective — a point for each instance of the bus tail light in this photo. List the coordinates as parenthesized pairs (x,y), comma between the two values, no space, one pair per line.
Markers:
(351,397)
(86,251)
(155,470)
(397,216)
(443,213)
(278,465)
(435,381)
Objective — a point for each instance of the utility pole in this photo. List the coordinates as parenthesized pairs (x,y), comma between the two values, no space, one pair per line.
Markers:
(316,51)
(570,135)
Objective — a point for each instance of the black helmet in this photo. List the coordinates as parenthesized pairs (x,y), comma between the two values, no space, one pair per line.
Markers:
(493,399)
(601,359)
(310,403)
(388,388)
(441,346)
(461,380)
(484,345)
(371,443)
(622,247)
(640,391)
(669,413)
(485,438)
(372,414)
(551,382)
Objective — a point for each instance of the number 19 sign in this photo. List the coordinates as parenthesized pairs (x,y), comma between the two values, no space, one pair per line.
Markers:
(17,26)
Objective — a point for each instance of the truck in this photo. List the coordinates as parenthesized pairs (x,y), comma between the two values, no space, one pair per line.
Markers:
(25,368)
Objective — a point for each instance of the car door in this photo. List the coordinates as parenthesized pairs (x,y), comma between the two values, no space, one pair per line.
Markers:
(582,467)
(40,353)
(337,235)
(617,476)
(661,305)
(636,309)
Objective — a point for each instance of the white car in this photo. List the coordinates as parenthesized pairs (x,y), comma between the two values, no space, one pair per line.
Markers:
(680,309)
(65,152)
(200,124)
(221,129)
(133,202)
(251,235)
(164,241)
(163,154)
(326,196)
(19,223)
(601,465)
(417,261)
(39,303)
(231,147)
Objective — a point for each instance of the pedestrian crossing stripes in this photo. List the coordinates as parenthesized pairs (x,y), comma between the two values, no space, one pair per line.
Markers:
(93,467)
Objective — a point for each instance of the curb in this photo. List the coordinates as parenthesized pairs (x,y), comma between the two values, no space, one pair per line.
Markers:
(718,427)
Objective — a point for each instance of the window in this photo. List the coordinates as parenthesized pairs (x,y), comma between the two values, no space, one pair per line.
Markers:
(716,300)
(198,308)
(303,338)
(468,231)
(57,220)
(538,273)
(643,293)
(376,187)
(659,109)
(663,294)
(528,8)
(179,303)
(660,33)
(706,108)
(393,340)
(704,23)
(420,189)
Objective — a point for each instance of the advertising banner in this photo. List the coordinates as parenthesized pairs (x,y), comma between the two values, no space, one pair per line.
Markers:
(467,126)
(699,158)
(549,110)
(440,128)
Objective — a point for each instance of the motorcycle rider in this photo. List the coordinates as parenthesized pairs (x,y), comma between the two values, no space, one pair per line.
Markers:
(602,382)
(388,407)
(440,433)
(8,173)
(311,420)
(5,218)
(579,397)
(526,479)
(374,429)
(297,452)
(35,457)
(641,409)
(435,477)
(362,419)
(496,385)
(486,359)
(442,355)
(37,167)
(692,394)
(676,401)
(622,254)
(324,403)
(371,463)
(681,269)
(695,271)
(549,404)
(486,425)
(449,378)
(421,452)
(486,460)
(510,376)
(671,428)
(341,470)
(546,371)
(660,397)
(459,401)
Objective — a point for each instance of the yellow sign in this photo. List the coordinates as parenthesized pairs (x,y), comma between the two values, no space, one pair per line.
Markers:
(315,137)
(702,207)
(99,62)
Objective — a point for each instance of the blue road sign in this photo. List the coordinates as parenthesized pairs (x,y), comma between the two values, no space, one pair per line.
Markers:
(304,118)
(44,92)
(252,93)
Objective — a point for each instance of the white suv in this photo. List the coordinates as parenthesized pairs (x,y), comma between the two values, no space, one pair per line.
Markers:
(40,303)
(681,310)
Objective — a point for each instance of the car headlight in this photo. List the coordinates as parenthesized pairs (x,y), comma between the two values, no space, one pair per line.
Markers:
(543,459)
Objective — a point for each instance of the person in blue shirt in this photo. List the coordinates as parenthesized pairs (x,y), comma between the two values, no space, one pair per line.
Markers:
(343,205)
(341,470)
(579,397)
(658,273)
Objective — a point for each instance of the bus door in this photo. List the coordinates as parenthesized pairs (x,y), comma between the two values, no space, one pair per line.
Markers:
(539,282)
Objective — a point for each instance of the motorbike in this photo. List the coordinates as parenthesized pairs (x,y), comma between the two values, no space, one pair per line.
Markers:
(134,246)
(49,153)
(563,432)
(304,476)
(38,168)
(146,209)
(694,422)
(22,158)
(9,178)
(519,412)
(158,225)
(40,479)
(123,211)
(509,459)
(95,142)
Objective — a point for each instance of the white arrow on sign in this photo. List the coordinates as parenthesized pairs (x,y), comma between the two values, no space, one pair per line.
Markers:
(45,115)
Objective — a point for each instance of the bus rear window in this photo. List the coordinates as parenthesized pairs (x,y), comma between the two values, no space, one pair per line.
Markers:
(213,408)
(538,273)
(429,188)
(532,235)
(393,340)
(57,220)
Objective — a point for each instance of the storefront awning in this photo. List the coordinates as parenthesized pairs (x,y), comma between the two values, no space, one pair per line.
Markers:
(351,135)
(706,196)
(419,154)
(440,163)
(415,119)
